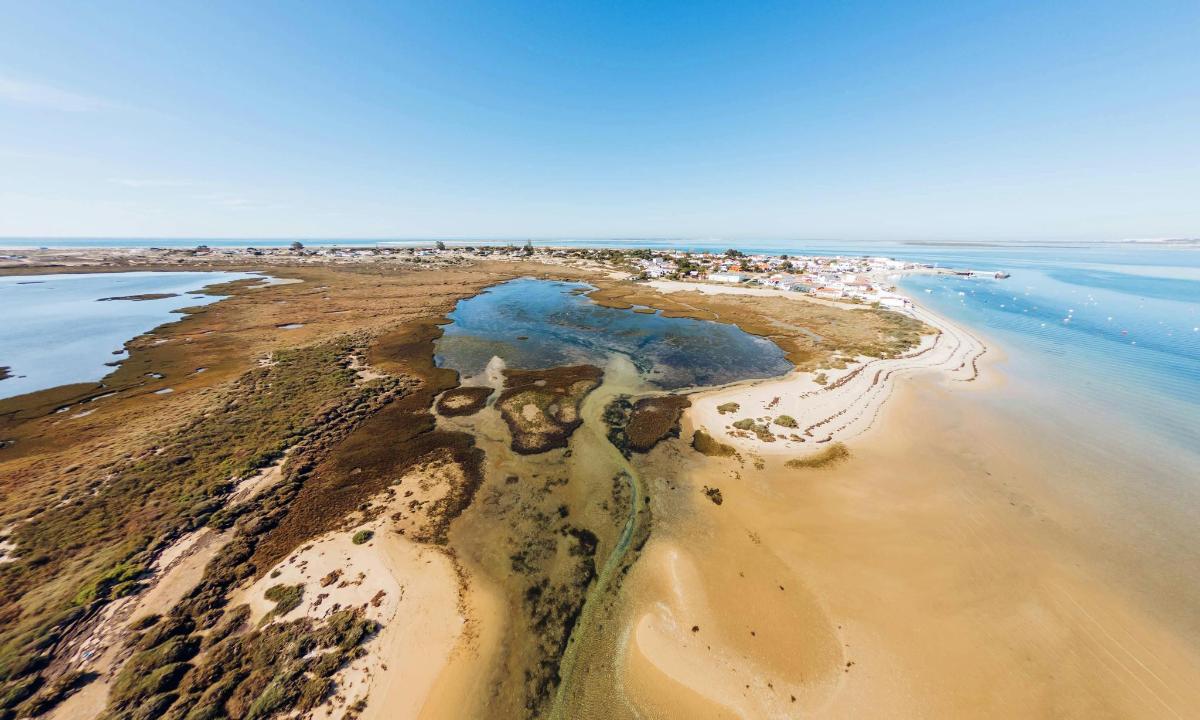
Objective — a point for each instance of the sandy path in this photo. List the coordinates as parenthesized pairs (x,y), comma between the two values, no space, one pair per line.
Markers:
(177,570)
(410,589)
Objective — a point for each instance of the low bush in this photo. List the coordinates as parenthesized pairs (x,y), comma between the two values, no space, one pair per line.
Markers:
(830,455)
(706,444)
(285,597)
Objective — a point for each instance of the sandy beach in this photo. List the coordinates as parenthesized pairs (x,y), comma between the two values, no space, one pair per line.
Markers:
(930,576)
(935,573)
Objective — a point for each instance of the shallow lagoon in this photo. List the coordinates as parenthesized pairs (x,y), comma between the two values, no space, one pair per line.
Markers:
(534,324)
(56,332)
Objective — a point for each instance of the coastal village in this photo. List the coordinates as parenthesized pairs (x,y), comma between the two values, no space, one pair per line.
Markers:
(869,280)
(865,279)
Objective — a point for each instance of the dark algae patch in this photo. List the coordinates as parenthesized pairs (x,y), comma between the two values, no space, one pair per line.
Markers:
(541,407)
(639,426)
(463,401)
(5,372)
(654,419)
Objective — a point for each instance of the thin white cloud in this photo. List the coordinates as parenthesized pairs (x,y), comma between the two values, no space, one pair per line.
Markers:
(233,201)
(150,183)
(37,95)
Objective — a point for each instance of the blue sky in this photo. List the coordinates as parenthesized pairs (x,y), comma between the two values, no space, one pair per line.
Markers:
(919,120)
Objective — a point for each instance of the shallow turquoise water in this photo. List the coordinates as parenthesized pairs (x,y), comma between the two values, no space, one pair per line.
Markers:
(534,324)
(55,332)
(1121,341)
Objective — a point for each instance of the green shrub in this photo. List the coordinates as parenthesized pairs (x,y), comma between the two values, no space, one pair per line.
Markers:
(18,691)
(730,407)
(313,692)
(117,581)
(285,597)
(786,421)
(145,622)
(759,429)
(362,536)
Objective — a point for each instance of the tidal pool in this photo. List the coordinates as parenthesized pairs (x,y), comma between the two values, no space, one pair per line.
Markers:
(534,324)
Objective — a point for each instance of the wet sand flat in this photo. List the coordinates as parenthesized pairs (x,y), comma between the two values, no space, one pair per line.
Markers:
(955,579)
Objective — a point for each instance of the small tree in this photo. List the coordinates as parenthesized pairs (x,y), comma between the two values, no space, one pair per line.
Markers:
(528,247)
(297,246)
(440,245)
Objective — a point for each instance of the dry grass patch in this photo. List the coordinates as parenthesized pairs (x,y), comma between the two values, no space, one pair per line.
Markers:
(706,444)
(834,453)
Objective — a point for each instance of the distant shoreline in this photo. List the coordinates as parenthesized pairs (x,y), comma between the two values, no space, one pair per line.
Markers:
(763,245)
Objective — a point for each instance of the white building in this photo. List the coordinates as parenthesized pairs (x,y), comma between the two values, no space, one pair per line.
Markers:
(895,302)
(727,277)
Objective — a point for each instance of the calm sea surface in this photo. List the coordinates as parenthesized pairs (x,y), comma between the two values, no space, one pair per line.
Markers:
(1113,332)
(56,332)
